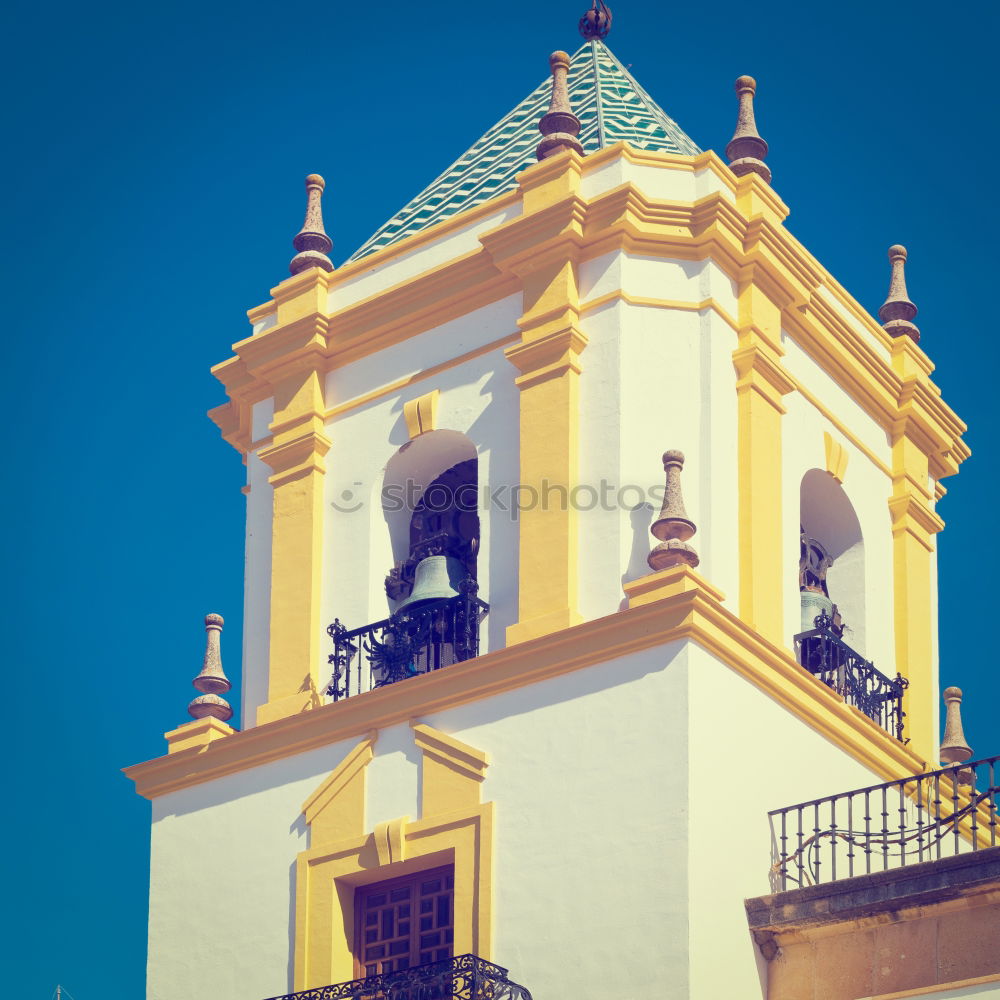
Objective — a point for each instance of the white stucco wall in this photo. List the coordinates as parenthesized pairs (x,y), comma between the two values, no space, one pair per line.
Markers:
(631,820)
(655,378)
(747,755)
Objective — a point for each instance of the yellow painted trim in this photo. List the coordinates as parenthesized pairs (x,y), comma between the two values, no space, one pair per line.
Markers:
(761,384)
(196,735)
(452,771)
(539,248)
(454,827)
(739,228)
(836,457)
(420,414)
(346,785)
(692,613)
(328,874)
(296,457)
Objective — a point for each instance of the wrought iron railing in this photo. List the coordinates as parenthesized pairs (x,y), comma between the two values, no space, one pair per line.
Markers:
(920,818)
(825,655)
(465,977)
(413,641)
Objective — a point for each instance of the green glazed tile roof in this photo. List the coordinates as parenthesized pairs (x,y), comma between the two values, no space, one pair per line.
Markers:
(611,107)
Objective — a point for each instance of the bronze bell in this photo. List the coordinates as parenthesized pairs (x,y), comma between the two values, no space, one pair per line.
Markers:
(435,578)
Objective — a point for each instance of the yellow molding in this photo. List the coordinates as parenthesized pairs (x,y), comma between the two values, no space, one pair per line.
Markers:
(196,735)
(874,372)
(466,758)
(938,988)
(390,840)
(420,414)
(694,613)
(836,457)
(346,784)
(329,873)
(452,772)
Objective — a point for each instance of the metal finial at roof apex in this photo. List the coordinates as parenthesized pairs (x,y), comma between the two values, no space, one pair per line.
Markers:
(596,23)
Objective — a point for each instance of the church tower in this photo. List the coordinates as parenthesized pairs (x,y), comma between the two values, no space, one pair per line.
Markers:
(589,518)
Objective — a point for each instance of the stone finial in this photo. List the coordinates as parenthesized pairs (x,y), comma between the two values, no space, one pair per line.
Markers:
(954,749)
(673,527)
(312,243)
(559,125)
(898,311)
(212,681)
(746,149)
(596,23)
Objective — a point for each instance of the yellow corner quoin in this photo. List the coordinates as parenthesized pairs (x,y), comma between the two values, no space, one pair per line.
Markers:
(454,828)
(689,609)
(421,413)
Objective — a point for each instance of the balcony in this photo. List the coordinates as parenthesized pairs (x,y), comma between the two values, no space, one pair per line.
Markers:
(826,656)
(465,977)
(925,817)
(415,640)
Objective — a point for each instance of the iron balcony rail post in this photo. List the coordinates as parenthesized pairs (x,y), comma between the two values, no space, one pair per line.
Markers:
(826,656)
(415,640)
(931,823)
(464,977)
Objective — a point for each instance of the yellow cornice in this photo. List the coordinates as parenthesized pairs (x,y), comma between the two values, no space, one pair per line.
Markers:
(890,382)
(694,613)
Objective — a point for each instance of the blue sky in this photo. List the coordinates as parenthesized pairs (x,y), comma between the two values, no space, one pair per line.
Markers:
(154,177)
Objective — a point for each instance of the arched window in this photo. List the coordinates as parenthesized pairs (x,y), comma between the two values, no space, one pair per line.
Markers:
(430,502)
(832,562)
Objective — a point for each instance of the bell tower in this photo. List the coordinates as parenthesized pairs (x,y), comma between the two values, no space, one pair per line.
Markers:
(578,486)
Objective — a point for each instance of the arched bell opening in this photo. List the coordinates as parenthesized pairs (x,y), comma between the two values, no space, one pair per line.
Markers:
(832,558)
(430,500)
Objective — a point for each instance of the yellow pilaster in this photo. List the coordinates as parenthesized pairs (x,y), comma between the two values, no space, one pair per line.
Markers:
(760,385)
(296,457)
(914,524)
(541,247)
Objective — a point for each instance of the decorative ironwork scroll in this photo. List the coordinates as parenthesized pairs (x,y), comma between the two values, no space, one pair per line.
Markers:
(825,655)
(414,641)
(464,977)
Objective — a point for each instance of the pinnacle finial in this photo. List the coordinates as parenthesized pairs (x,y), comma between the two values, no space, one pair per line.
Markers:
(312,243)
(212,681)
(596,23)
(897,312)
(559,125)
(954,749)
(673,527)
(746,150)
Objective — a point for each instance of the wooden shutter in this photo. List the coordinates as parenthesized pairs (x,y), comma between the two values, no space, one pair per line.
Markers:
(405,922)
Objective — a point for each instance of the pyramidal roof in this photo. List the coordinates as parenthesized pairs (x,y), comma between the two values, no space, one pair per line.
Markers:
(605,97)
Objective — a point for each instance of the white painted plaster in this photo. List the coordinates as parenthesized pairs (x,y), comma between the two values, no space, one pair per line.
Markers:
(867,489)
(256,589)
(382,275)
(656,183)
(654,379)
(747,755)
(221,900)
(271,319)
(836,399)
(261,415)
(433,347)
